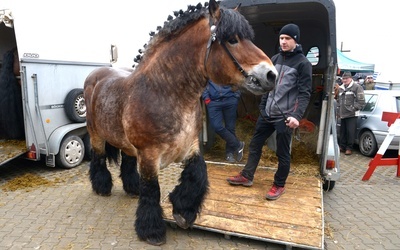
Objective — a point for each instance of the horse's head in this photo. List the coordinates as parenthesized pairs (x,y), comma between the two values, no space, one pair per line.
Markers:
(231,56)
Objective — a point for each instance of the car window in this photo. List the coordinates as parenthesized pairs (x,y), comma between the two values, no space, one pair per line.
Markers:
(370,102)
(398,104)
(313,55)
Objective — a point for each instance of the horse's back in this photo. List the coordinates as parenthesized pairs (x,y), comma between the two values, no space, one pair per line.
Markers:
(103,74)
(103,96)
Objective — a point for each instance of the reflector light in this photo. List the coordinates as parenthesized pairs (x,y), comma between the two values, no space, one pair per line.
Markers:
(31,154)
(330,164)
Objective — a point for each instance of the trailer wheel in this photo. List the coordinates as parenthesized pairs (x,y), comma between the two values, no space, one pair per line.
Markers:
(71,153)
(75,106)
(328,185)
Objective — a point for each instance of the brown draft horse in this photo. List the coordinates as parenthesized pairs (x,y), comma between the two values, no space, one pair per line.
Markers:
(153,114)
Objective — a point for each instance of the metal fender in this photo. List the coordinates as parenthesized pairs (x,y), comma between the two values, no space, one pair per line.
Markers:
(78,129)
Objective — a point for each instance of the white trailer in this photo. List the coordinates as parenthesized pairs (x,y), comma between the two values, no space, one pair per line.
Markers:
(53,64)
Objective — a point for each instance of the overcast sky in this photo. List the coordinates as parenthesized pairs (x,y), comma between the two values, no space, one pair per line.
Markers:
(370,30)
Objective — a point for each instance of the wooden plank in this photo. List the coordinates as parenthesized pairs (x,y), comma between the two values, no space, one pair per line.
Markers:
(10,149)
(295,218)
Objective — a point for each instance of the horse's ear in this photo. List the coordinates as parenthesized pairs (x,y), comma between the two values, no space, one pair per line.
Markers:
(238,7)
(213,8)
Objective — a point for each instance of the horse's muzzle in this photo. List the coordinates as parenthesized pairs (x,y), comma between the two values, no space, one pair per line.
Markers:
(261,84)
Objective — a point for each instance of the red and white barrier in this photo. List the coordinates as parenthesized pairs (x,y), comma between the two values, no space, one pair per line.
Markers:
(393,120)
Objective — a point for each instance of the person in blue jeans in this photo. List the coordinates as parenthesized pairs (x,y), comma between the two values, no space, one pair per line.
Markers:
(221,102)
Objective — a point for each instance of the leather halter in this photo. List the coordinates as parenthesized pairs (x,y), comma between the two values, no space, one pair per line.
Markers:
(212,39)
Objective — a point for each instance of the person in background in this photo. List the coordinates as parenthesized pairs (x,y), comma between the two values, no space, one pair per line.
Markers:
(350,101)
(280,111)
(338,82)
(369,83)
(221,102)
(357,79)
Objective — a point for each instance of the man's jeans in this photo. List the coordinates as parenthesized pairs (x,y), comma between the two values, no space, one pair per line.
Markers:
(264,130)
(224,112)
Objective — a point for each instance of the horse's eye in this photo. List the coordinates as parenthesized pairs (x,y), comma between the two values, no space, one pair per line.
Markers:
(233,41)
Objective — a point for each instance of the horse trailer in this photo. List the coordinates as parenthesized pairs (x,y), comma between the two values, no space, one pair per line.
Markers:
(317,22)
(42,111)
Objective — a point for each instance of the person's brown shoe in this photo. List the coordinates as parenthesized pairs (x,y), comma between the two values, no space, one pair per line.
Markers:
(240,180)
(342,150)
(348,152)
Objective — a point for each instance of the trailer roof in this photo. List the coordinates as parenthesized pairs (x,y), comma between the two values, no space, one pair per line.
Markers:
(316,19)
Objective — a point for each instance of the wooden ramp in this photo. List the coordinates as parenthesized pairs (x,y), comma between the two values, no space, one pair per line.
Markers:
(11,149)
(295,219)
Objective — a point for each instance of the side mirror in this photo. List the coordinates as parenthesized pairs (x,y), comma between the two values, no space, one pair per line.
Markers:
(114,53)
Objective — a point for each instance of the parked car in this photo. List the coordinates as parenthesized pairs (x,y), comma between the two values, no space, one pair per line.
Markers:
(371,130)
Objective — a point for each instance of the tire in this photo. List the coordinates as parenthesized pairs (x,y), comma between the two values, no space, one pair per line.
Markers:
(328,185)
(367,144)
(75,106)
(72,151)
(88,147)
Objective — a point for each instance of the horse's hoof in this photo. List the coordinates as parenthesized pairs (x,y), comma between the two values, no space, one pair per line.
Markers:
(133,195)
(103,194)
(181,221)
(156,242)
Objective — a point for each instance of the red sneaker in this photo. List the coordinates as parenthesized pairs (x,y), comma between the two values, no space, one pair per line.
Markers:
(240,180)
(275,192)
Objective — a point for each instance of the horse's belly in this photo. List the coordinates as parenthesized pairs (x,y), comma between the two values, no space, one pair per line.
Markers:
(188,146)
(185,153)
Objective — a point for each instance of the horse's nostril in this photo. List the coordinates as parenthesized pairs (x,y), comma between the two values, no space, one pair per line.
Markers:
(271,76)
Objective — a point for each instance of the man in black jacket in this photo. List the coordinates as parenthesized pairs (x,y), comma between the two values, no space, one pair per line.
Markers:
(280,110)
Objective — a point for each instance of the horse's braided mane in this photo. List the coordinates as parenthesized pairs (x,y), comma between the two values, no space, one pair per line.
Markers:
(172,26)
(231,23)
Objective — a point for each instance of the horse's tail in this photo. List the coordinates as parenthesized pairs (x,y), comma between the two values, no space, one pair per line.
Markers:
(112,153)
(11,111)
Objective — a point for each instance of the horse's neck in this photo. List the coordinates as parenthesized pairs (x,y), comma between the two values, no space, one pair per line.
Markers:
(179,64)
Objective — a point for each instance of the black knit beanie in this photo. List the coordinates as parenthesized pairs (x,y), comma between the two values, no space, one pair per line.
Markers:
(291,30)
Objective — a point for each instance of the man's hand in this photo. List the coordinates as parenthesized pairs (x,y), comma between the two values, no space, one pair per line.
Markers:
(292,122)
